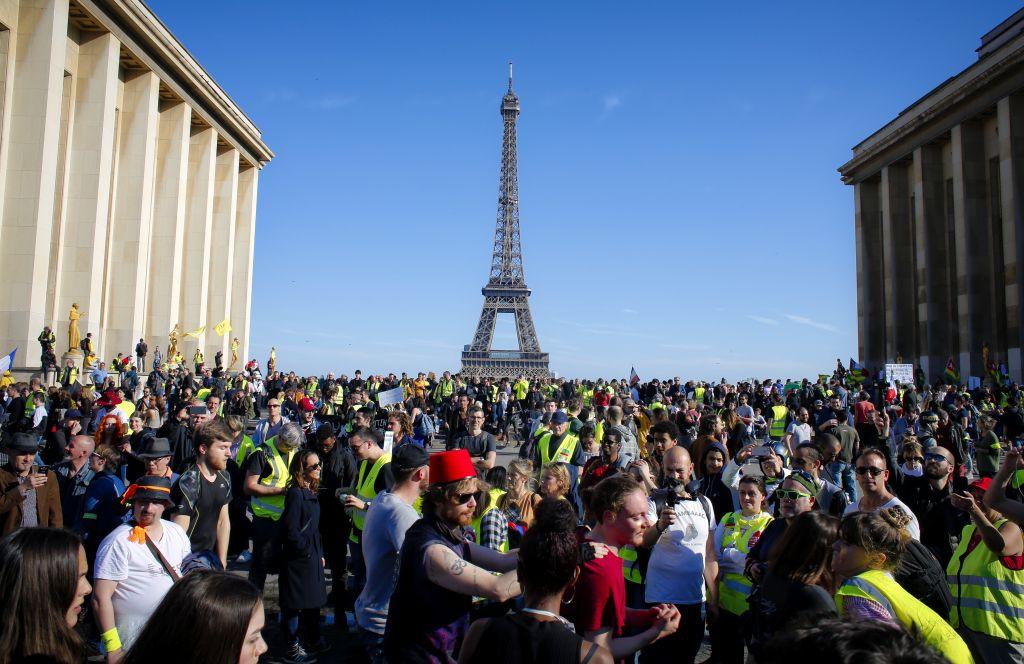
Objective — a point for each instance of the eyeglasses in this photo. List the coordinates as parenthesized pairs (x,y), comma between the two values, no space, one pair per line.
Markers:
(931,456)
(464,498)
(869,470)
(315,466)
(791,494)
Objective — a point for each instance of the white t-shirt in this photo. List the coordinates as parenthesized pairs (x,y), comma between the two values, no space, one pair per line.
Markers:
(801,433)
(383,533)
(914,528)
(141,580)
(675,573)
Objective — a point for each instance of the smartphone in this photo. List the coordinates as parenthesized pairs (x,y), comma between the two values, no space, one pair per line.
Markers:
(42,470)
(761,452)
(198,410)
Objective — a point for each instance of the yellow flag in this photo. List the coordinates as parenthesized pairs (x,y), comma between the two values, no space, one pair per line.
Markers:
(222,327)
(195,333)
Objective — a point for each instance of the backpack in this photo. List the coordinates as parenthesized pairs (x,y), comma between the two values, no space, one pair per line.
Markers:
(922,576)
(426,425)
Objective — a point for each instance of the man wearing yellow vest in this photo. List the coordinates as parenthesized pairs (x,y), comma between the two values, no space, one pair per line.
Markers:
(779,416)
(375,476)
(986,577)
(560,445)
(266,477)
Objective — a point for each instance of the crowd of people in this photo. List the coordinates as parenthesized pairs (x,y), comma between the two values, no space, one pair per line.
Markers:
(633,520)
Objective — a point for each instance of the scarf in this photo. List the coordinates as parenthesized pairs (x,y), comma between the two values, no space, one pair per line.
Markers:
(454,535)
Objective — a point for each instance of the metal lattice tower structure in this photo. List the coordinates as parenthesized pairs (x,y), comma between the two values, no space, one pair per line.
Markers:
(506,291)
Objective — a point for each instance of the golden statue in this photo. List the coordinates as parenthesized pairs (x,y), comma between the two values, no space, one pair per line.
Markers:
(172,337)
(74,336)
(272,362)
(234,353)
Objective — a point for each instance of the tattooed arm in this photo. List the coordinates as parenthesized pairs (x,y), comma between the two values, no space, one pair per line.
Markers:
(452,572)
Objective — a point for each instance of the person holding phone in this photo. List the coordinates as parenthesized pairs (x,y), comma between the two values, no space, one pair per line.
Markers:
(29,494)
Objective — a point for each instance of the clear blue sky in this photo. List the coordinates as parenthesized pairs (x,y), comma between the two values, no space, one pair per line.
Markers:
(681,210)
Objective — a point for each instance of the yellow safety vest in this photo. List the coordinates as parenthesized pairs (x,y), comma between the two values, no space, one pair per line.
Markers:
(563,454)
(698,394)
(778,429)
(987,597)
(493,496)
(272,507)
(880,587)
(366,492)
(245,448)
(742,533)
(630,565)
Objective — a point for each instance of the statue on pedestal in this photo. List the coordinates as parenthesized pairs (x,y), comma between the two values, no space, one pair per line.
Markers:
(172,337)
(272,362)
(234,353)
(74,336)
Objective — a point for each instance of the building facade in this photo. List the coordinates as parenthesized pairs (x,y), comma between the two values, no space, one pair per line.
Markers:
(939,226)
(128,184)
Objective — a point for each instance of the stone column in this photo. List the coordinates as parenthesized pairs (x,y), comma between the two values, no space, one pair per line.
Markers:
(225,204)
(898,252)
(133,217)
(89,186)
(202,155)
(936,286)
(1010,115)
(168,239)
(871,311)
(241,277)
(973,246)
(39,46)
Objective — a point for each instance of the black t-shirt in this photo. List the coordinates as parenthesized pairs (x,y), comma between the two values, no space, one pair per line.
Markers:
(478,445)
(777,601)
(201,501)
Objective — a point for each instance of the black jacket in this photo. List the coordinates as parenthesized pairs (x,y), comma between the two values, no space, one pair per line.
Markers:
(302,584)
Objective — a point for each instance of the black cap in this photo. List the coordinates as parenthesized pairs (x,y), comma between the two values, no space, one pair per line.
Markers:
(324,431)
(409,457)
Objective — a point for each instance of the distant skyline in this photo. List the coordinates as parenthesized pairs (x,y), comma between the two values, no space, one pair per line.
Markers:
(680,206)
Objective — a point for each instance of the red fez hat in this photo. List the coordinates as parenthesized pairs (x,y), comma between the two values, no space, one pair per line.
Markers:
(451,466)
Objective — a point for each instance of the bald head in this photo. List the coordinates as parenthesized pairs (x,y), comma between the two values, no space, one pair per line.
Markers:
(81,447)
(676,464)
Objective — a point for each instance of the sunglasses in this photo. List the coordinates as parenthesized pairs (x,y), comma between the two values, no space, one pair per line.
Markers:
(315,466)
(791,494)
(934,457)
(273,405)
(463,498)
(917,459)
(869,470)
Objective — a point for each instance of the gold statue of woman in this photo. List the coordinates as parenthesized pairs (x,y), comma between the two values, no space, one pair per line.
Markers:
(172,337)
(74,336)
(234,353)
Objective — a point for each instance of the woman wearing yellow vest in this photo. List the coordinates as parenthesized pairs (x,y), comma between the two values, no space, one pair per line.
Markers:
(869,547)
(490,523)
(736,533)
(986,577)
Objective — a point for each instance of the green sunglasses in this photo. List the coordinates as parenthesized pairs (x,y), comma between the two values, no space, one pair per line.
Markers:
(792,494)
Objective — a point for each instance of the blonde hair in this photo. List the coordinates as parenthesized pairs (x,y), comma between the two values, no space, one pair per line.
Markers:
(560,471)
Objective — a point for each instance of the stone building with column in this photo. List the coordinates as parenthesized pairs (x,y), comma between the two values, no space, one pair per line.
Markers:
(939,220)
(128,183)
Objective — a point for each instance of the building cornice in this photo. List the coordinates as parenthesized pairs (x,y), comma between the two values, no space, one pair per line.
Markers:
(142,33)
(957,99)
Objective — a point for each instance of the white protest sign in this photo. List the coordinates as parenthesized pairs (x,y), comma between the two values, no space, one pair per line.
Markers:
(904,373)
(390,397)
(389,441)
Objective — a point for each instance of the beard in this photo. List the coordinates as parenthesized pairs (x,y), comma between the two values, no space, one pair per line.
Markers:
(933,473)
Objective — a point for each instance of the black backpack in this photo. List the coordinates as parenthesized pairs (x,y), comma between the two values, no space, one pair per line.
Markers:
(922,576)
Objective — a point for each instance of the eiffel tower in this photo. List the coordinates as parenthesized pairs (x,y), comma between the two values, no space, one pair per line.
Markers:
(506,291)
